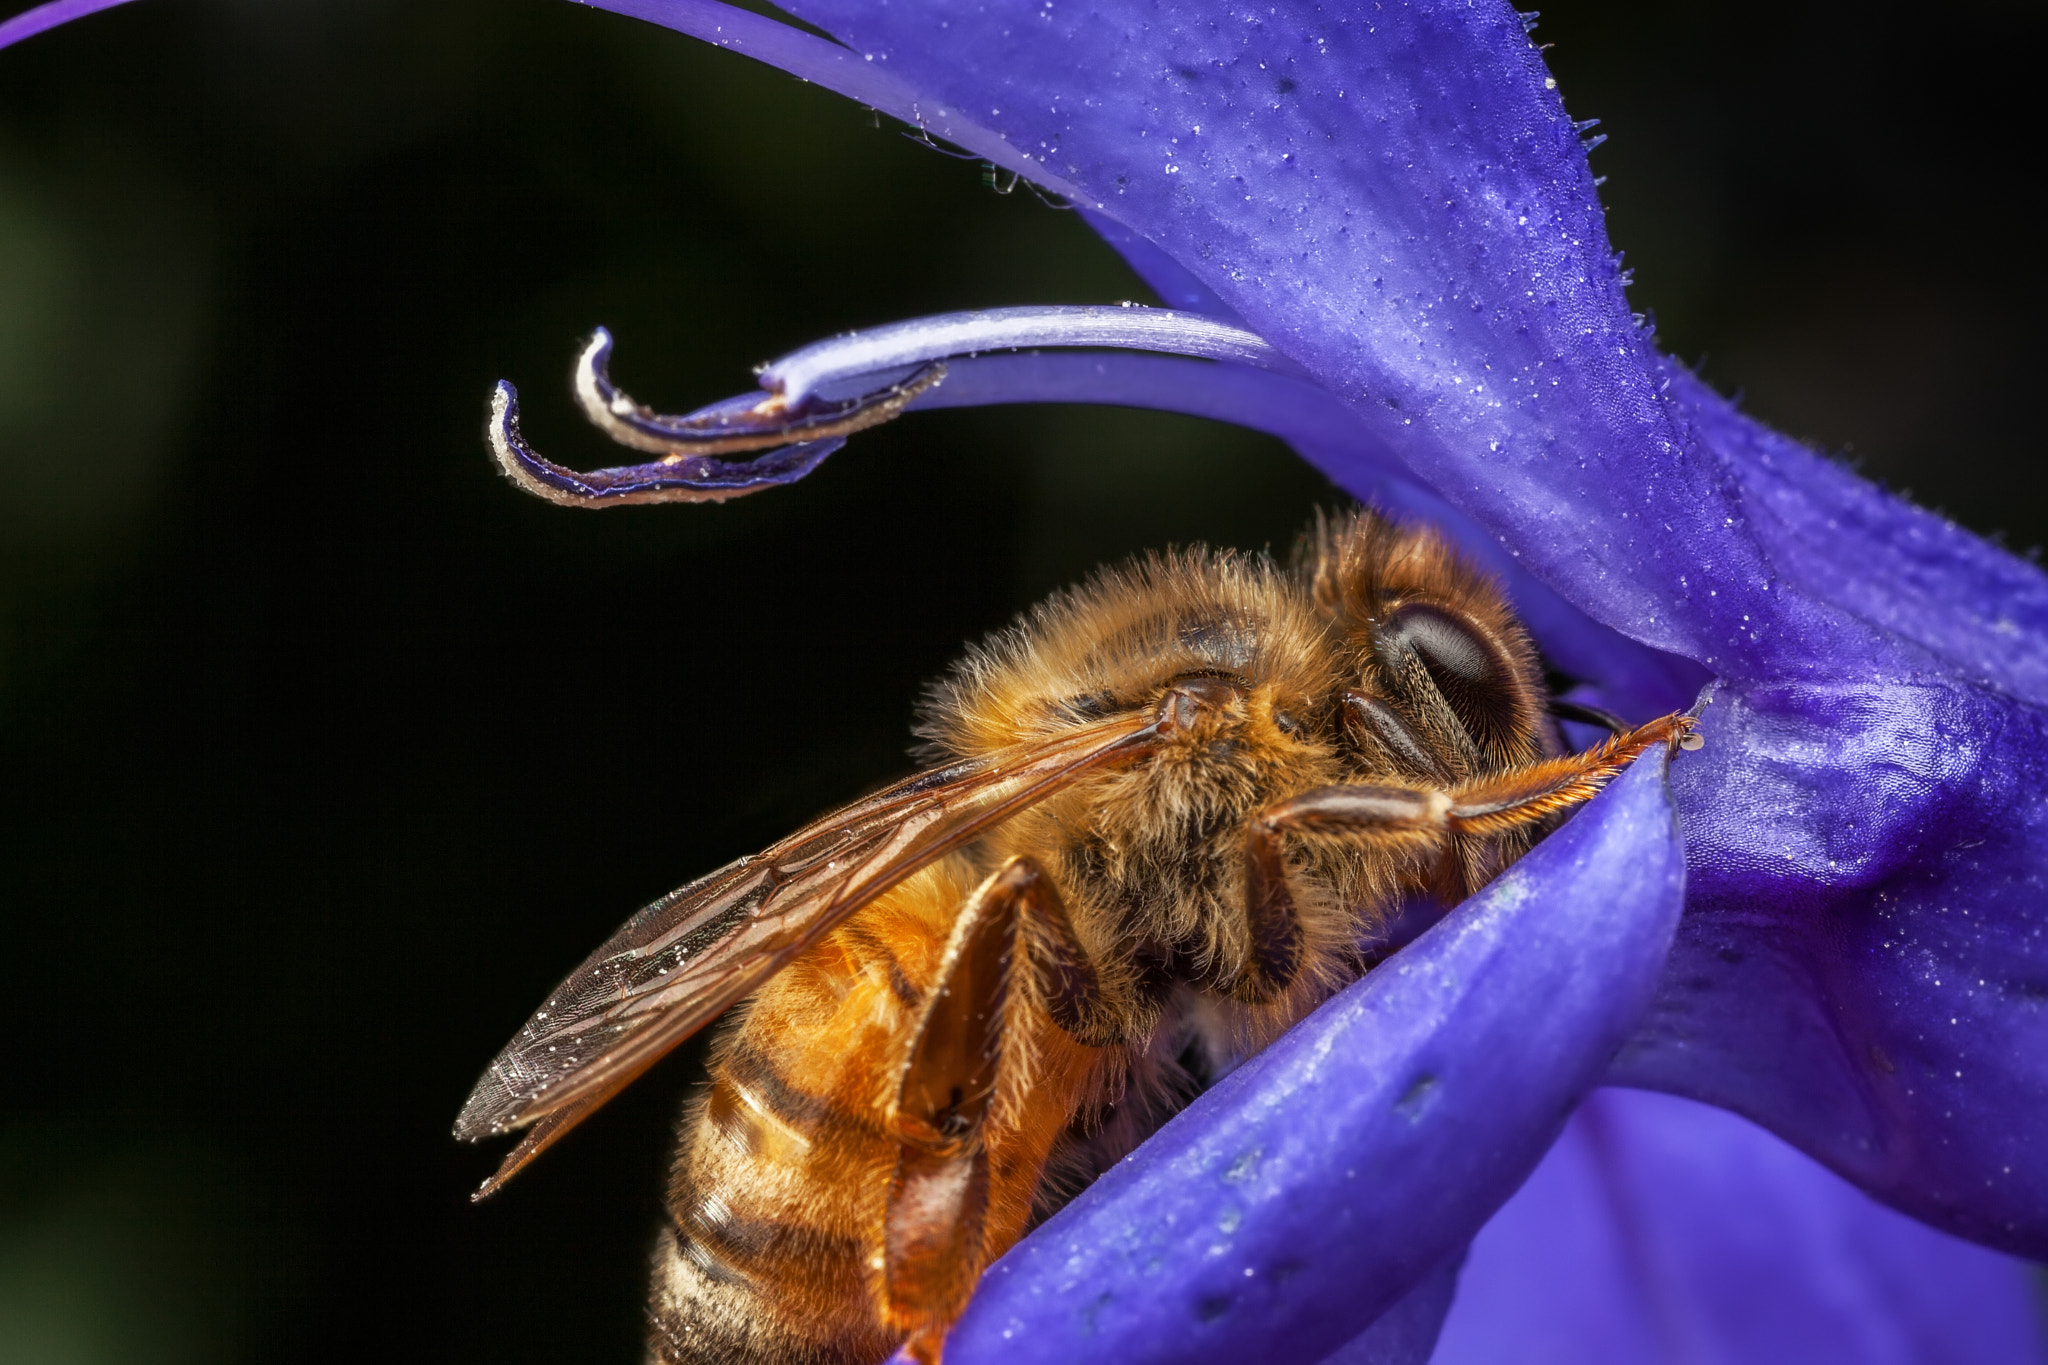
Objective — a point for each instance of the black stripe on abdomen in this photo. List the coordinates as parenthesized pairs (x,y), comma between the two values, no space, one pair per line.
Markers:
(765,1249)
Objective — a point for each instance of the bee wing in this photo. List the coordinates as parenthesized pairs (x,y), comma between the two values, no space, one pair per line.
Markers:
(679,963)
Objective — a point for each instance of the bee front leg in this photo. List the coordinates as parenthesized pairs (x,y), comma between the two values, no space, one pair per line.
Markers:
(1414,820)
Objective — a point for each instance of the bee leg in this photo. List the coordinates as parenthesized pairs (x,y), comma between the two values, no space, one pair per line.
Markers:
(1068,984)
(937,1203)
(1275,924)
(938,1198)
(1419,819)
(1526,796)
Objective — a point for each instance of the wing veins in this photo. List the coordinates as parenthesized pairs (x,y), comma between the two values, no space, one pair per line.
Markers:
(867,848)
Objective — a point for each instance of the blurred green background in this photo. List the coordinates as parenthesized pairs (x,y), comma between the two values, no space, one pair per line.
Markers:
(326,753)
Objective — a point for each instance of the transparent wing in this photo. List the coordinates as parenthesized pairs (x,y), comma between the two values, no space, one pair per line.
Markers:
(683,960)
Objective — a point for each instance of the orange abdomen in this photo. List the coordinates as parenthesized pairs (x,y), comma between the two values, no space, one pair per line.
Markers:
(774,1246)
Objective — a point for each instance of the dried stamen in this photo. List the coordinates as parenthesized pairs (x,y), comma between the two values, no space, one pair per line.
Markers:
(817,396)
(747,422)
(677,478)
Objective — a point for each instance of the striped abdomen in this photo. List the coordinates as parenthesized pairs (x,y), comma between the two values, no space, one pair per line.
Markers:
(773,1250)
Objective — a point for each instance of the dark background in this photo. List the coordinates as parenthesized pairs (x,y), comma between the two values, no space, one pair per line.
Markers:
(325,753)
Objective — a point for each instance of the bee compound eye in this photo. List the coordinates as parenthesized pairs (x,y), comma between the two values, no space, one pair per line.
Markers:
(1470,669)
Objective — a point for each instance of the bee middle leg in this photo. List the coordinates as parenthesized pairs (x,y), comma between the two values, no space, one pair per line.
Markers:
(938,1199)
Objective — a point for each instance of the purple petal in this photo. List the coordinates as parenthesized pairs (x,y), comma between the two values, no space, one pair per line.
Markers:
(1863,966)
(824,368)
(1406,1334)
(1399,203)
(1662,1230)
(1168,278)
(29,23)
(1396,199)
(834,67)
(1317,1185)
(1973,607)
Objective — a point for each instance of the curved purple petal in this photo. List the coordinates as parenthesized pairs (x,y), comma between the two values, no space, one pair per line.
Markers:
(1659,1229)
(823,368)
(45,17)
(1243,1231)
(1168,278)
(1977,610)
(1398,200)
(1405,1334)
(1863,966)
(1395,197)
(826,63)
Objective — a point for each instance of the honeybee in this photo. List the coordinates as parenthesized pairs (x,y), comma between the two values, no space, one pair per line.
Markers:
(1169,812)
